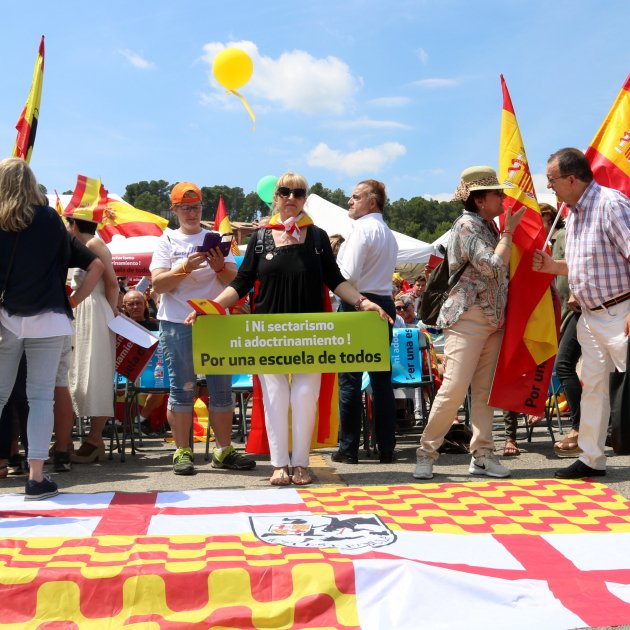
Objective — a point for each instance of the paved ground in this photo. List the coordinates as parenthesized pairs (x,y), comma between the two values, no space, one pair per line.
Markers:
(150,469)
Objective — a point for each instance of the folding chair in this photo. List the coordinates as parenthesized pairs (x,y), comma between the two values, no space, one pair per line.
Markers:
(411,364)
(551,407)
(147,383)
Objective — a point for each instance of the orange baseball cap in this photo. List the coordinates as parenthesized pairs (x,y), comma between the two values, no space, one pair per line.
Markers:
(178,194)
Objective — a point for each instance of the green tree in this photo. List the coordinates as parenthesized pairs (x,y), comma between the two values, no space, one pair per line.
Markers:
(153,196)
(233,198)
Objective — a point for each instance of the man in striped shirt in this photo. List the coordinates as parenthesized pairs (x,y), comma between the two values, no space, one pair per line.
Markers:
(597,261)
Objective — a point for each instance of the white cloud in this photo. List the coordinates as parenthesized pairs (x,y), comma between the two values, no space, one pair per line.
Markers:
(390,101)
(423,56)
(367,123)
(439,197)
(369,160)
(433,84)
(295,80)
(136,60)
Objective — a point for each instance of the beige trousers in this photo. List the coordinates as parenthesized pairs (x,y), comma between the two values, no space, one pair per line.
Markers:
(471,347)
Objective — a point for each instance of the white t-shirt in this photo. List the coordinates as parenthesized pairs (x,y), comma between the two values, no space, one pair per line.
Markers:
(367,258)
(172,249)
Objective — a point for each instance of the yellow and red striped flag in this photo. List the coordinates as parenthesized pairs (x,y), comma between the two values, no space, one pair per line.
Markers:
(609,152)
(27,124)
(91,202)
(223,226)
(530,341)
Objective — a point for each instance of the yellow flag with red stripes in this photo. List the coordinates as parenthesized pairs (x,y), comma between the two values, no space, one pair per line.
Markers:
(609,152)
(91,202)
(27,124)
(530,341)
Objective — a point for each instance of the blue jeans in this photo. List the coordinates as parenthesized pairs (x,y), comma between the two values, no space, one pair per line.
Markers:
(350,404)
(177,343)
(42,358)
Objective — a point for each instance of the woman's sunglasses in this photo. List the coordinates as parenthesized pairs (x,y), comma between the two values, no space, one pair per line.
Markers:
(285,192)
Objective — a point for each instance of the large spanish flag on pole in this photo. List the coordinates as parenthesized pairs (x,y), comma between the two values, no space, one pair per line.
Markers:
(27,124)
(530,343)
(91,202)
(223,226)
(609,153)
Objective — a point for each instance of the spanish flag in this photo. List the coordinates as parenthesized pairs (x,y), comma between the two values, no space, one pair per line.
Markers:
(27,124)
(609,153)
(530,343)
(91,202)
(222,225)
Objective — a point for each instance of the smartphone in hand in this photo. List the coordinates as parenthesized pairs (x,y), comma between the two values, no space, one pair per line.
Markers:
(214,239)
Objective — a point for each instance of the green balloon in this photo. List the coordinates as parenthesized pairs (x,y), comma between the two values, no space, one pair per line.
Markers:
(265,188)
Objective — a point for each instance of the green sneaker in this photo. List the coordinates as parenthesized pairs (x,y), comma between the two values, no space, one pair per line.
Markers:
(233,460)
(183,462)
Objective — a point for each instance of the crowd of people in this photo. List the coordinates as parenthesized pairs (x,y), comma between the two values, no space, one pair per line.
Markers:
(57,351)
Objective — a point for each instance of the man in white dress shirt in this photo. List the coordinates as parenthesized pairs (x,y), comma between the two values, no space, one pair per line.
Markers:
(368,259)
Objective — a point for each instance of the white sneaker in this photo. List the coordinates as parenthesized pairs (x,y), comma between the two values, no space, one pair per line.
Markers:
(424,468)
(488,465)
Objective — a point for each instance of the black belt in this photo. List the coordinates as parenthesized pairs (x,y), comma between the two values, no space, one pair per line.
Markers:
(618,300)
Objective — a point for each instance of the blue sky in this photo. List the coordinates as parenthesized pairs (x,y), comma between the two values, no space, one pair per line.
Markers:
(404,91)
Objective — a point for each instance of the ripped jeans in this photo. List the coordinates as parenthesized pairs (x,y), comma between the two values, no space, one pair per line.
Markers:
(177,342)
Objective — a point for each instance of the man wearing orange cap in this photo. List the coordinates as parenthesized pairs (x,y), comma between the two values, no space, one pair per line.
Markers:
(180,272)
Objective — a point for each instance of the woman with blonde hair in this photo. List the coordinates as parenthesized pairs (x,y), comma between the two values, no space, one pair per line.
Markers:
(35,310)
(290,258)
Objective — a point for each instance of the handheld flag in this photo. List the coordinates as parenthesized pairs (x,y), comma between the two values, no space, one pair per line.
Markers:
(91,202)
(27,124)
(223,226)
(206,307)
(609,152)
(530,341)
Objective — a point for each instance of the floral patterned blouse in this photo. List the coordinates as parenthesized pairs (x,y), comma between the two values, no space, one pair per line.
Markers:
(485,279)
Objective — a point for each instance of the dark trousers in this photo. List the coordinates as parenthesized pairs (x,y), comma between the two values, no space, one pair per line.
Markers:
(384,406)
(569,352)
(15,412)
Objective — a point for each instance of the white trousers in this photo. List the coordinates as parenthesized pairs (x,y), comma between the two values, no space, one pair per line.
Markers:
(301,393)
(604,348)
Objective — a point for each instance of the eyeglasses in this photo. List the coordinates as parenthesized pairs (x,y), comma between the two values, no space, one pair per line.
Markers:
(403,307)
(285,192)
(188,208)
(550,180)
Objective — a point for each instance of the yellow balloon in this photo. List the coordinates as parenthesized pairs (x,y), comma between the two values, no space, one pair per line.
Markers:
(232,68)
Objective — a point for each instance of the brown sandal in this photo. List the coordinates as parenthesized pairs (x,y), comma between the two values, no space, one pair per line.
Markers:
(88,453)
(280,477)
(511,448)
(568,447)
(301,476)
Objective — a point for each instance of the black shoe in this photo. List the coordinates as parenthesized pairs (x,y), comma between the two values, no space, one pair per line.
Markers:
(577,470)
(147,431)
(61,462)
(344,458)
(37,490)
(387,458)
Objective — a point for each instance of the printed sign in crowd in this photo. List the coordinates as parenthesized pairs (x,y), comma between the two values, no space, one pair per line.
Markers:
(280,344)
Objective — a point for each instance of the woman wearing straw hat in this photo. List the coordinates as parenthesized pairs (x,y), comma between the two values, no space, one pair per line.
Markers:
(472,318)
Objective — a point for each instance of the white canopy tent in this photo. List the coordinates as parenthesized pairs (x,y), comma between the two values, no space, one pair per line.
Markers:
(335,220)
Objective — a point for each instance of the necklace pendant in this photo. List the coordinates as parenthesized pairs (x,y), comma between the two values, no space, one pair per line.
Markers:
(269,256)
